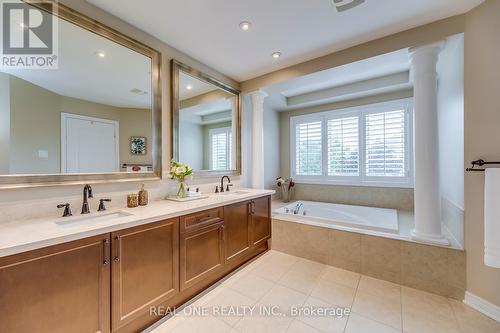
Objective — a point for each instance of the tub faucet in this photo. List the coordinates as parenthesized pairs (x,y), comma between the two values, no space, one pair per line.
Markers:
(87,193)
(297,208)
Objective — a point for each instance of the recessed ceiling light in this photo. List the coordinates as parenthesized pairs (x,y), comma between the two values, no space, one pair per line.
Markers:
(276,55)
(189,87)
(100,54)
(245,25)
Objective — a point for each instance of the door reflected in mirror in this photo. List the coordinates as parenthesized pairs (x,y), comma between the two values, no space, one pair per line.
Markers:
(208,124)
(93,114)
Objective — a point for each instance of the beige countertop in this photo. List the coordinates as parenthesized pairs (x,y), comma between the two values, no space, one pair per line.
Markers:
(25,235)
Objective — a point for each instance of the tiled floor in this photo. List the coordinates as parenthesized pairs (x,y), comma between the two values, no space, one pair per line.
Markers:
(282,283)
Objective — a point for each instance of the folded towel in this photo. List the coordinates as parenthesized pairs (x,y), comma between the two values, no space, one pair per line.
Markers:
(193,194)
(492,217)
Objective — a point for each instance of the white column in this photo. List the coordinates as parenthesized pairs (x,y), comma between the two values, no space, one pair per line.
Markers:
(427,191)
(257,163)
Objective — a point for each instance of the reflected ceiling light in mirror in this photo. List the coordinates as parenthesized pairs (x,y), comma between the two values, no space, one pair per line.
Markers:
(189,87)
(276,55)
(100,54)
(245,25)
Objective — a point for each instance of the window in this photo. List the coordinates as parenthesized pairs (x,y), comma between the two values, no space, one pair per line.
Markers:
(366,145)
(220,148)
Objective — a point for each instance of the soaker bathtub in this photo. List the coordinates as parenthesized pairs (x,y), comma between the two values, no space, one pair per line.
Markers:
(343,217)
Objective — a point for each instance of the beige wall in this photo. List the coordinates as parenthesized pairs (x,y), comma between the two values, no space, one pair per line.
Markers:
(482,136)
(36,125)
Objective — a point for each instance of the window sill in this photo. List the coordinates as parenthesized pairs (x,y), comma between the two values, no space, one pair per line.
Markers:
(394,184)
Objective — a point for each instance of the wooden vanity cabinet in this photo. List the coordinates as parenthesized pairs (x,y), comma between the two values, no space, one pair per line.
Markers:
(201,248)
(145,270)
(109,283)
(237,231)
(62,288)
(260,211)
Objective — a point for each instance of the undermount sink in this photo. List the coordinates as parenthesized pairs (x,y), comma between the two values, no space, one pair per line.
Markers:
(237,192)
(105,217)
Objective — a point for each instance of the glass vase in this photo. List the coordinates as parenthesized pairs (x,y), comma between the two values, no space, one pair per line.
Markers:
(181,193)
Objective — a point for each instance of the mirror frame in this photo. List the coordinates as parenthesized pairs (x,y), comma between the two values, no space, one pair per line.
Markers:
(176,67)
(93,26)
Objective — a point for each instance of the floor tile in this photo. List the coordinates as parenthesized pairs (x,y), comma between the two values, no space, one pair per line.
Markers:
(341,276)
(202,324)
(426,312)
(300,280)
(472,321)
(381,309)
(334,293)
(299,327)
(380,288)
(229,306)
(263,323)
(284,298)
(325,322)
(252,286)
(359,324)
(310,266)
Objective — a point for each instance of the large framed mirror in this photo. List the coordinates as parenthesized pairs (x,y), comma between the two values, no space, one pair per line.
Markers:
(206,123)
(95,117)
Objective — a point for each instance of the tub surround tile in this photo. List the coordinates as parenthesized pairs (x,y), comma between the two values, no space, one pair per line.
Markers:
(345,250)
(397,198)
(424,267)
(381,258)
(430,268)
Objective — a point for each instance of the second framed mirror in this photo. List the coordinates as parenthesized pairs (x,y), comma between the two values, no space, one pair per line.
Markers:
(206,125)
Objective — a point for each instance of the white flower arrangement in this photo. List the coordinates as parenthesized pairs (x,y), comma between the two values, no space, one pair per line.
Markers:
(179,172)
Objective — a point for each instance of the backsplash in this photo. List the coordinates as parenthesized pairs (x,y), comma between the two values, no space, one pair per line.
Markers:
(29,203)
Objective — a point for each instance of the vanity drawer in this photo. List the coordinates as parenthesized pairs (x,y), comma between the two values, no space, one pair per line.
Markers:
(201,219)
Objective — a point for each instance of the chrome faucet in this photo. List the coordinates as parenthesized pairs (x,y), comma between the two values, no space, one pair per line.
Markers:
(297,208)
(222,184)
(87,193)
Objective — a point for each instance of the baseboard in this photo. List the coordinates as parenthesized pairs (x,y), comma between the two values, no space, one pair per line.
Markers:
(488,309)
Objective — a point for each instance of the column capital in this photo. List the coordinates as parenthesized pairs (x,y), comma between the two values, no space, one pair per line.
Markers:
(258,96)
(434,47)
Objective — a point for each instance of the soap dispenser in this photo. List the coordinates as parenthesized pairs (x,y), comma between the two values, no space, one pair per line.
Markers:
(143,196)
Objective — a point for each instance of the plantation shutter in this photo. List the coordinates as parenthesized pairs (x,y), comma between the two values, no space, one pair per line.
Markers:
(385,144)
(343,146)
(221,149)
(308,148)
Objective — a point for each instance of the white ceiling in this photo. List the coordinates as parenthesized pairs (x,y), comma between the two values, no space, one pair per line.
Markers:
(301,30)
(381,66)
(83,74)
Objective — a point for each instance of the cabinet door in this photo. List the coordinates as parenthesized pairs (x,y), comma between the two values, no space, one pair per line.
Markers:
(261,220)
(62,288)
(201,254)
(145,272)
(236,230)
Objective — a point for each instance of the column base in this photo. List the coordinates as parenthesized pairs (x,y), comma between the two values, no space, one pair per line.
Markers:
(429,239)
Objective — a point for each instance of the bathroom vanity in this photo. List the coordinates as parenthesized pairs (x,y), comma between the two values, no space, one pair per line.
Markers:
(111,276)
